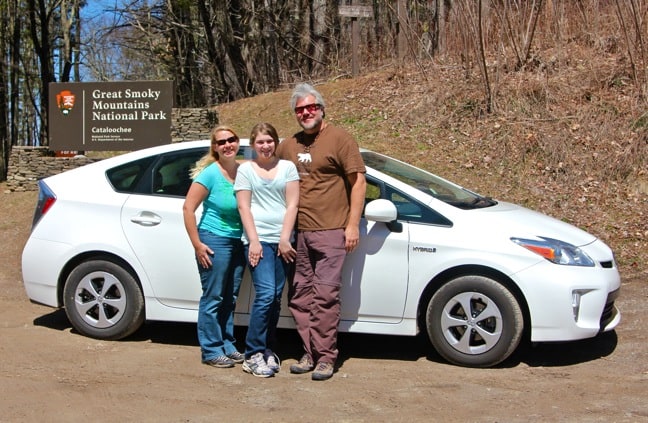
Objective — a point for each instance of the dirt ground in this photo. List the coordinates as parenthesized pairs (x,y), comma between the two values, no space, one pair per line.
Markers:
(50,373)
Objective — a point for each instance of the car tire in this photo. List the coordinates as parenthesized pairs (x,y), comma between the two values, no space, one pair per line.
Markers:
(474,321)
(103,300)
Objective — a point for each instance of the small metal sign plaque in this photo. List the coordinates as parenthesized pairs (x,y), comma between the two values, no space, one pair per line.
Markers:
(356,11)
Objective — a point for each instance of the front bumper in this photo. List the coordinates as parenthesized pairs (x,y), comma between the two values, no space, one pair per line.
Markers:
(568,303)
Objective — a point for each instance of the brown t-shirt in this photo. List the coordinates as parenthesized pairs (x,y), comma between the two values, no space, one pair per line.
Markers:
(323,161)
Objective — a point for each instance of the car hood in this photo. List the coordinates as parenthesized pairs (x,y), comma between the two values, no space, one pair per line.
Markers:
(517,221)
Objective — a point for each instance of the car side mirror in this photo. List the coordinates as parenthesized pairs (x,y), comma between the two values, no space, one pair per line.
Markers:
(382,210)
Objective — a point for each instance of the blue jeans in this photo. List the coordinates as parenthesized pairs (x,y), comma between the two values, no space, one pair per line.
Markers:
(268,277)
(220,288)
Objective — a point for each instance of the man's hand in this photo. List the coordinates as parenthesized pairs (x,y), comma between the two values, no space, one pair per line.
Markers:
(351,237)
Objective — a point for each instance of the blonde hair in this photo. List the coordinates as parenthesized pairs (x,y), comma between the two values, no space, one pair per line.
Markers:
(211,156)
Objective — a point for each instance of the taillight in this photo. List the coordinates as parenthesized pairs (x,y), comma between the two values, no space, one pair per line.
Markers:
(46,200)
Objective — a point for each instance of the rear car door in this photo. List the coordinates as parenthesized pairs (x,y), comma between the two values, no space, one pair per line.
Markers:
(152,222)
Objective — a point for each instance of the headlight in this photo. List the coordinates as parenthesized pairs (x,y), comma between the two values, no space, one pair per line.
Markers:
(556,251)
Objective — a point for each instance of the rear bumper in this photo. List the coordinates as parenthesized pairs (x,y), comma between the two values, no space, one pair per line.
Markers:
(41,267)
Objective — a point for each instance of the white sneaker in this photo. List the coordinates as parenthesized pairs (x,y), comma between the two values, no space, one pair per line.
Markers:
(272,360)
(257,366)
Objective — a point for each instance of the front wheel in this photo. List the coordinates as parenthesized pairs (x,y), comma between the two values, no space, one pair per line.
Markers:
(474,321)
(103,300)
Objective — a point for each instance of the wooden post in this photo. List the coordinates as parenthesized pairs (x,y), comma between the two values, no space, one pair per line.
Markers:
(354,12)
(355,45)
(402,26)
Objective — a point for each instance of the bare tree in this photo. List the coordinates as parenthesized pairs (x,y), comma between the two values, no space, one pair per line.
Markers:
(182,53)
(632,15)
(5,43)
(223,50)
(70,32)
(519,21)
(41,14)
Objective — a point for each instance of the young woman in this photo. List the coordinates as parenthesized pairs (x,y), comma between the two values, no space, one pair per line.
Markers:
(219,250)
(267,192)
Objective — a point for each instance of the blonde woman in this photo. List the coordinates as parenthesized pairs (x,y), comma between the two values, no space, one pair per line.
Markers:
(216,239)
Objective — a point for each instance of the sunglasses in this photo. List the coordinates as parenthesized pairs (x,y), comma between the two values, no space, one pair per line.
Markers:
(230,140)
(310,108)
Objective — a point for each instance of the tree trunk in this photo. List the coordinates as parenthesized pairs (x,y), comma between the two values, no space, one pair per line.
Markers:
(189,90)
(319,35)
(5,39)
(39,20)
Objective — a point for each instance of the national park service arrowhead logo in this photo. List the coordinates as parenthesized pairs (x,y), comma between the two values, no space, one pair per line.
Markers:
(65,101)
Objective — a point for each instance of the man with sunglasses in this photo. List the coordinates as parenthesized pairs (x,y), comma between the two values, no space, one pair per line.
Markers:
(332,192)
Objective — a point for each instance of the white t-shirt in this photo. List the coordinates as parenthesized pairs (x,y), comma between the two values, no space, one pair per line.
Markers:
(268,199)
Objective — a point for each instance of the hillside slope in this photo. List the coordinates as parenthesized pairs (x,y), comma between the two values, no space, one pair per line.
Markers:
(566,139)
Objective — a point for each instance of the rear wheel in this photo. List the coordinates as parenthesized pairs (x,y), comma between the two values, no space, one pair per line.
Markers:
(474,321)
(102,300)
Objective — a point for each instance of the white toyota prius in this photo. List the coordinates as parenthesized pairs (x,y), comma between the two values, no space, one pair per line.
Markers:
(477,275)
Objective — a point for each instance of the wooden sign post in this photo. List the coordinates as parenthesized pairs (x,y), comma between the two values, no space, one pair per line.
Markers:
(402,25)
(354,12)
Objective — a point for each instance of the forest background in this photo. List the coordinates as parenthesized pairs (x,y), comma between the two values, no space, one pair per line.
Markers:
(540,102)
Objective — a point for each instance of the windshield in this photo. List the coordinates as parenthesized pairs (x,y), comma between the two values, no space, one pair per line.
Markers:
(426,182)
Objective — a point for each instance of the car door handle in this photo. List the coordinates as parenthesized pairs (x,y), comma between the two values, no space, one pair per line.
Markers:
(146,219)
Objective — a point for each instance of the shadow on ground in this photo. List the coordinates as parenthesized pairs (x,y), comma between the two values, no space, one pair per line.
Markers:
(552,354)
(354,345)
(56,320)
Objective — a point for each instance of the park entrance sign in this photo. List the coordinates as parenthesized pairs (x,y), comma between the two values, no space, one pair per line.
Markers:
(109,116)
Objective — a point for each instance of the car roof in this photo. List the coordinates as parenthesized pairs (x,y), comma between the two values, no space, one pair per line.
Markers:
(160,149)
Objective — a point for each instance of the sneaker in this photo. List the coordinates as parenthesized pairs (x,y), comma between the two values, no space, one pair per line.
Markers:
(272,360)
(304,365)
(257,366)
(236,357)
(323,371)
(221,361)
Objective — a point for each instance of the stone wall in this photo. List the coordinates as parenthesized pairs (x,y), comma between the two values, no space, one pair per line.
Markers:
(29,164)
(192,124)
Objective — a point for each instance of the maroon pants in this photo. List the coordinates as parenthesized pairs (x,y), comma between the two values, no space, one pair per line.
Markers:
(314,294)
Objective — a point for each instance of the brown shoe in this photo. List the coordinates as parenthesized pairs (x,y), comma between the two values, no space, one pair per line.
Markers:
(323,371)
(304,365)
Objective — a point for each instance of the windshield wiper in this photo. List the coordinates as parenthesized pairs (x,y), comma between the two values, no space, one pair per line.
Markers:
(481,202)
(475,203)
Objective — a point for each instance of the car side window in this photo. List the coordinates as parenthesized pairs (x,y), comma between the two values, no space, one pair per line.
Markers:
(413,211)
(165,174)
(170,175)
(408,209)
(130,177)
(372,192)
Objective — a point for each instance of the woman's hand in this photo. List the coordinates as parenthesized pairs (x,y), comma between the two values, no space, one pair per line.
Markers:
(255,253)
(203,255)
(286,251)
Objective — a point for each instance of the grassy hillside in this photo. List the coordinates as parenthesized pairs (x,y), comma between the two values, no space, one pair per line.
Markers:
(567,138)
